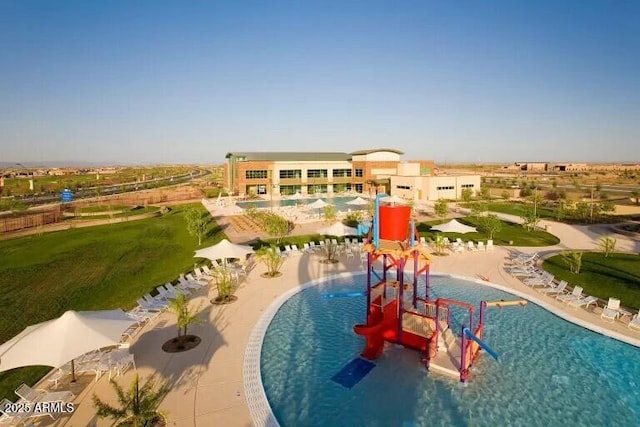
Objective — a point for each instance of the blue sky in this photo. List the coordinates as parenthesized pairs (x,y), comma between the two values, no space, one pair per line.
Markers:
(174,81)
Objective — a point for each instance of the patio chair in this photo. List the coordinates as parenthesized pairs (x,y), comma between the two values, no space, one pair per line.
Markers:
(179,290)
(612,310)
(200,274)
(208,271)
(634,323)
(575,294)
(306,248)
(471,246)
(166,294)
(558,289)
(146,305)
(481,246)
(32,395)
(489,245)
(545,279)
(157,301)
(583,302)
(10,417)
(189,281)
(120,360)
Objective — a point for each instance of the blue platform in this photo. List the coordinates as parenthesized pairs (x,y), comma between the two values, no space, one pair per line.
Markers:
(353,372)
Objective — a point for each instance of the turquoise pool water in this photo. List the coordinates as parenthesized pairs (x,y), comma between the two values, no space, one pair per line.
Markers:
(552,372)
(338,202)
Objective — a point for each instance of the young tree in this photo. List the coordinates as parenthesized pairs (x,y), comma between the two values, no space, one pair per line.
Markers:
(184,316)
(196,223)
(271,259)
(330,213)
(607,245)
(440,244)
(277,226)
(573,260)
(491,225)
(441,208)
(530,219)
(137,407)
(505,195)
(466,195)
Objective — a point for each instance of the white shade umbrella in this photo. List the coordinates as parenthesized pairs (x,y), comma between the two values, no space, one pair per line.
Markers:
(393,200)
(318,204)
(454,226)
(296,196)
(358,201)
(223,250)
(338,229)
(58,341)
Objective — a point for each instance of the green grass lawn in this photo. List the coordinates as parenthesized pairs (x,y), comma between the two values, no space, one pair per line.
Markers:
(617,275)
(510,233)
(520,209)
(90,268)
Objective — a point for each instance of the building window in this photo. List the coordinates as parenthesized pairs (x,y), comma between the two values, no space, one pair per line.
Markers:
(291,174)
(340,188)
(317,173)
(403,187)
(359,173)
(448,187)
(315,189)
(256,174)
(289,190)
(359,188)
(342,173)
(467,186)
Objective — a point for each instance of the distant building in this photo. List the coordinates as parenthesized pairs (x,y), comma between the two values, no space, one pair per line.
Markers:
(365,171)
(528,167)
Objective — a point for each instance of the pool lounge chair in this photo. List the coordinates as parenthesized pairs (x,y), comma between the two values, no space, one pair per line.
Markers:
(32,395)
(634,323)
(575,294)
(558,289)
(612,310)
(545,279)
(583,302)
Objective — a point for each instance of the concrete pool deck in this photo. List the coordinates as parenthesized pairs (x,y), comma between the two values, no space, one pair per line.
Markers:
(207,382)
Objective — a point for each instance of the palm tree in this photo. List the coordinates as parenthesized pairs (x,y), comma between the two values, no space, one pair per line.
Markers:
(137,406)
(185,317)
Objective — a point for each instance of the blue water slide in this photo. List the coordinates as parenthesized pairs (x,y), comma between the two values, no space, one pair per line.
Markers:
(481,343)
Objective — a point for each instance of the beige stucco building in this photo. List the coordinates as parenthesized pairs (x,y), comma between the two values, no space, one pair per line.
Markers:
(408,183)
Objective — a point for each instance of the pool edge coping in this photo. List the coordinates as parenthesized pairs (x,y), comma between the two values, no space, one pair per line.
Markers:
(259,408)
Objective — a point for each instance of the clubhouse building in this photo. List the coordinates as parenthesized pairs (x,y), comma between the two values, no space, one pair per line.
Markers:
(366,172)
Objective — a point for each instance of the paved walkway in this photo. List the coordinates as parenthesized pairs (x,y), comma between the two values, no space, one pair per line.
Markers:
(207,382)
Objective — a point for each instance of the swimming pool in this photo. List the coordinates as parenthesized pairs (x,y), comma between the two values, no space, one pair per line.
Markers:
(552,371)
(340,203)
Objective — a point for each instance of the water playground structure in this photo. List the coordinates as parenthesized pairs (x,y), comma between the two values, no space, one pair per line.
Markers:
(397,314)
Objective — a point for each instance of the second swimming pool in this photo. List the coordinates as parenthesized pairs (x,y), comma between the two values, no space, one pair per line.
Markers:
(552,372)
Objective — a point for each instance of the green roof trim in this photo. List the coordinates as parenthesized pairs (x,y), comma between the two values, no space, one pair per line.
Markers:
(284,156)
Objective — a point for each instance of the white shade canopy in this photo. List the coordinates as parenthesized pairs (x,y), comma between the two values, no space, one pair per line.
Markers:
(58,341)
(338,229)
(318,204)
(224,249)
(454,226)
(296,196)
(393,200)
(358,201)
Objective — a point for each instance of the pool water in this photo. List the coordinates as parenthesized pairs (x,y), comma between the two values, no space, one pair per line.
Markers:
(340,203)
(551,372)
